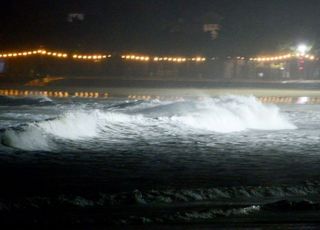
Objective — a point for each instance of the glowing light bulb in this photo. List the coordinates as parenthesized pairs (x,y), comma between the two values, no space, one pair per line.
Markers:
(302,49)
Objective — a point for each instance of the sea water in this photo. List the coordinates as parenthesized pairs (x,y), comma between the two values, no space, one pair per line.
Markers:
(214,160)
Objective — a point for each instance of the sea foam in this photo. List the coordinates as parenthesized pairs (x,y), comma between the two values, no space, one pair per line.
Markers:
(218,115)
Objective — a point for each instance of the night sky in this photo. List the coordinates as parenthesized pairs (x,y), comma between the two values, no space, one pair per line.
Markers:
(161,26)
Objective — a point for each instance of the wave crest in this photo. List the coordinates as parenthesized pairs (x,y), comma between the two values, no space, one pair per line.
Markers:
(233,114)
(219,115)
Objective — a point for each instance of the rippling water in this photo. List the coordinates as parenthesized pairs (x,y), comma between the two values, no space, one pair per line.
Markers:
(221,157)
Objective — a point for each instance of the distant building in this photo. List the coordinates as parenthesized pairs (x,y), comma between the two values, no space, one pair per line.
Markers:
(213,29)
(75,17)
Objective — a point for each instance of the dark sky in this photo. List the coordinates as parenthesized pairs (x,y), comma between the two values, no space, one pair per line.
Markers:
(161,26)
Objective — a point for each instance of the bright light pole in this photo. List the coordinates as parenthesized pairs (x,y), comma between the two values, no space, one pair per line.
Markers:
(302,49)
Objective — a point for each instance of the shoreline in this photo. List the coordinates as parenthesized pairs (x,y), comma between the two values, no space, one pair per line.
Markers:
(152,88)
(267,96)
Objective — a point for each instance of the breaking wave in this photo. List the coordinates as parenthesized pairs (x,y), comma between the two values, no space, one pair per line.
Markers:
(234,114)
(38,136)
(218,115)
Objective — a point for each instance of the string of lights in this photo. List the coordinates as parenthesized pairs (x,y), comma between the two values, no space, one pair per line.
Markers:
(33,53)
(162,59)
(283,57)
(180,59)
(90,57)
(135,57)
(148,58)
(55,54)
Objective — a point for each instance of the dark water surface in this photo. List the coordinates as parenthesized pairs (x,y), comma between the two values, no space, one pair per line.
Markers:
(227,159)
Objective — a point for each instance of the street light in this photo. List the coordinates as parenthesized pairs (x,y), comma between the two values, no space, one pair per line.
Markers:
(302,49)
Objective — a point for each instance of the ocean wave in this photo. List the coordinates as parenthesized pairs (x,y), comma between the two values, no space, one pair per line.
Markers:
(30,138)
(40,135)
(233,114)
(223,194)
(74,125)
(183,206)
(150,119)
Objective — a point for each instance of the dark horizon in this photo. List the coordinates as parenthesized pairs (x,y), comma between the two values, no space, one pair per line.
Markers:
(246,27)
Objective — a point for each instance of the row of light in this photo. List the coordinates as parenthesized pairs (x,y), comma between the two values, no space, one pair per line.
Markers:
(61,94)
(272,58)
(290,100)
(90,94)
(12,92)
(147,58)
(90,57)
(283,57)
(170,59)
(34,52)
(202,59)
(307,56)
(53,54)
(179,59)
(135,57)
(276,100)
(158,59)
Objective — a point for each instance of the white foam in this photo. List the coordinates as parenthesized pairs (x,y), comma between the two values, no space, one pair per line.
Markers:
(36,136)
(234,114)
(41,98)
(29,139)
(221,115)
(72,125)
